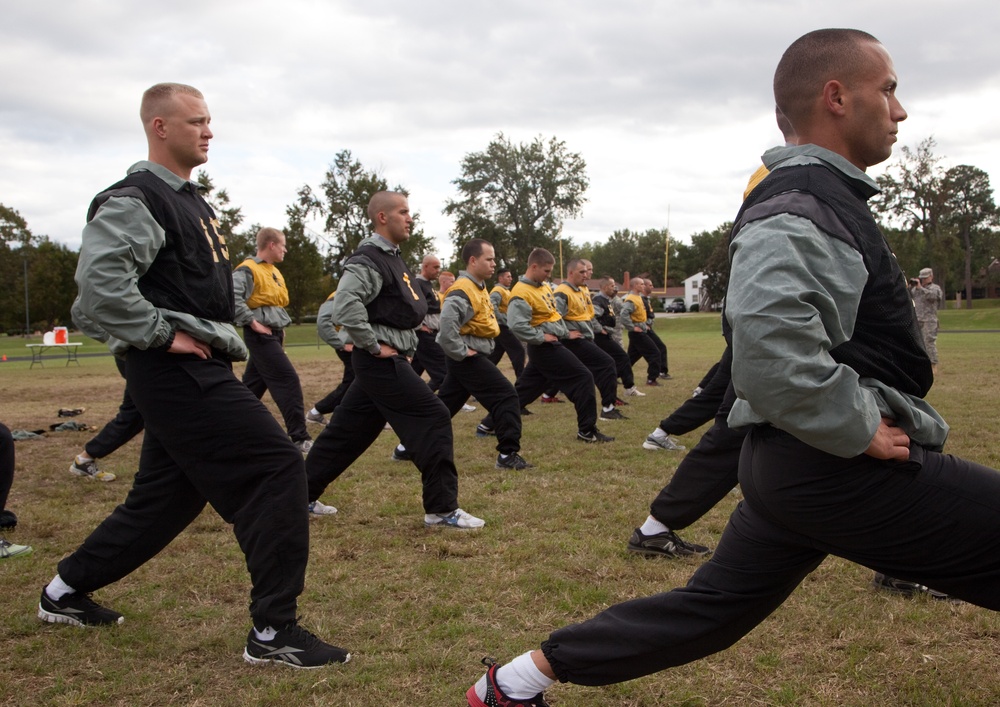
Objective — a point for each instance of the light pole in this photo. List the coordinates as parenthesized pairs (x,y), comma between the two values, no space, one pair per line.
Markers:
(27,318)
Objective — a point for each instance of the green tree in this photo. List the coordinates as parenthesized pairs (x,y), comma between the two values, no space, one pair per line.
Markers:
(972,211)
(912,202)
(241,244)
(346,190)
(51,283)
(302,268)
(16,252)
(517,196)
(639,254)
(715,264)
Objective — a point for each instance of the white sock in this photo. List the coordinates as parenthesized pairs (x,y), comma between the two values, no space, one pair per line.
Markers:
(652,527)
(609,408)
(57,589)
(659,434)
(520,679)
(83,458)
(401,449)
(267,634)
(314,411)
(504,456)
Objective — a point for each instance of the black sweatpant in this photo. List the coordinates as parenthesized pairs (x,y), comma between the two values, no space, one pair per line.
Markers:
(706,473)
(6,465)
(208,439)
(270,370)
(641,346)
(551,364)
(125,425)
(388,389)
(478,376)
(430,357)
(600,365)
(695,412)
(507,343)
(331,401)
(660,347)
(934,519)
(623,366)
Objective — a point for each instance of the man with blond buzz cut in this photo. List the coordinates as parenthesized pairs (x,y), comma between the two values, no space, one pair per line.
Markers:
(843,455)
(261,298)
(380,308)
(154,274)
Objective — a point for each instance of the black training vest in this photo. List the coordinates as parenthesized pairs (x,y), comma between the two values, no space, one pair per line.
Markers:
(427,290)
(191,272)
(886,344)
(607,320)
(398,304)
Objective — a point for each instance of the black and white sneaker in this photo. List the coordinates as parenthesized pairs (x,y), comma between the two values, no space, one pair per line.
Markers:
(401,455)
(594,437)
(513,461)
(904,588)
(612,414)
(293,646)
(76,609)
(484,431)
(668,544)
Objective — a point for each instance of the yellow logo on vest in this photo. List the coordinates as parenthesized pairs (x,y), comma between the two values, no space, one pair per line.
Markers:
(406,279)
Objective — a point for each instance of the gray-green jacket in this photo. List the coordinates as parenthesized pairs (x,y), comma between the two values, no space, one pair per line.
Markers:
(455,312)
(360,285)
(119,244)
(793,296)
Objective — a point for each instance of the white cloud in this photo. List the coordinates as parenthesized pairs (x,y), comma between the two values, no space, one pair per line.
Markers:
(669,103)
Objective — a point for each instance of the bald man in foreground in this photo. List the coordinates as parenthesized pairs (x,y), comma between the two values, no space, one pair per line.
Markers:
(843,455)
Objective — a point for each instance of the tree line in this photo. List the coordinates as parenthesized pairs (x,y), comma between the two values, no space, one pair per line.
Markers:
(518,196)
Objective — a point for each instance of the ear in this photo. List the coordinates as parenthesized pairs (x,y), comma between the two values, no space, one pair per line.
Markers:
(835,97)
(159,127)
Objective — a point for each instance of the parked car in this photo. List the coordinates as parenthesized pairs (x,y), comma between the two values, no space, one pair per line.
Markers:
(676,306)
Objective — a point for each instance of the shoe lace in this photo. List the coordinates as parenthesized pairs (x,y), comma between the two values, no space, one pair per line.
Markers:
(296,631)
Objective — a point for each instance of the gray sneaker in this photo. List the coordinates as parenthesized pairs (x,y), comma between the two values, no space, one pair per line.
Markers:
(456,519)
(9,549)
(318,508)
(304,445)
(668,443)
(88,470)
(317,417)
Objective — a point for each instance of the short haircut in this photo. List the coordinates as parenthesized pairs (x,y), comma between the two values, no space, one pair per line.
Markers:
(606,280)
(474,249)
(540,256)
(156,99)
(575,264)
(381,201)
(430,257)
(501,271)
(814,59)
(268,235)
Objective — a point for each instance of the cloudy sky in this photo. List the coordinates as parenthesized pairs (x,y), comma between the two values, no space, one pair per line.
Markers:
(668,102)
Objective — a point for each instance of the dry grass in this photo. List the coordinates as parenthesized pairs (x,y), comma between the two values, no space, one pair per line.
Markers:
(419,608)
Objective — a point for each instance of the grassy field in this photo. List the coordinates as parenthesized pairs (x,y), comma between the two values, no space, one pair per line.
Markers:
(419,608)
